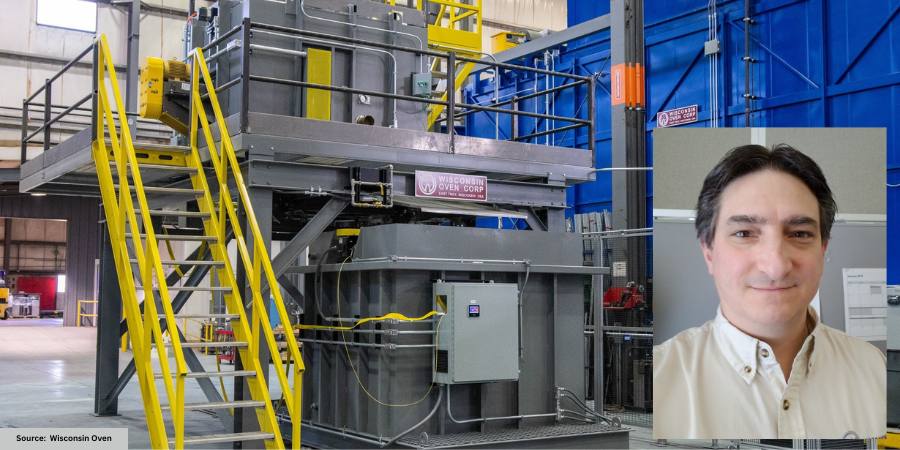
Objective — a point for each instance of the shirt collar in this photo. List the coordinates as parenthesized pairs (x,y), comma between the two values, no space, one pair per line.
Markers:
(745,353)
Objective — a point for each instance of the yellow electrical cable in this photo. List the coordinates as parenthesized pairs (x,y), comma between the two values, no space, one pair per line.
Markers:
(347,348)
(396,316)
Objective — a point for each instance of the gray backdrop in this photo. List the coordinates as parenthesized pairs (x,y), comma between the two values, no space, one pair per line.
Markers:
(853,160)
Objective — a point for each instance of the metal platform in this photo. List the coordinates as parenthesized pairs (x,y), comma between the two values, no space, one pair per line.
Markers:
(68,168)
(545,436)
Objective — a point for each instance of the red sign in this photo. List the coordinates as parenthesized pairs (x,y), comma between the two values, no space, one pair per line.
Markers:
(677,116)
(451,186)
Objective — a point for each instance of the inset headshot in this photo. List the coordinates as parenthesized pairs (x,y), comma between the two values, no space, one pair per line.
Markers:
(769,272)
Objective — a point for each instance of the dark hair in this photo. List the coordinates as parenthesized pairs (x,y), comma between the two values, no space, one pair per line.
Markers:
(747,159)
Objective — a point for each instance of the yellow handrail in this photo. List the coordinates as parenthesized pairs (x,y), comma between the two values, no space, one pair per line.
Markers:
(119,208)
(257,265)
(80,315)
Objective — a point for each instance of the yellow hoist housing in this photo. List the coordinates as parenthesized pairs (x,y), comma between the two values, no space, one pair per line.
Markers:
(155,75)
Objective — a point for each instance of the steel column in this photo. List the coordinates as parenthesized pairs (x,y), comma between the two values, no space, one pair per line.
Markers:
(628,140)
(109,312)
(134,36)
(245,419)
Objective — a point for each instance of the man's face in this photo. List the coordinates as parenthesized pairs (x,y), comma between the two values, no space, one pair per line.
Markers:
(767,253)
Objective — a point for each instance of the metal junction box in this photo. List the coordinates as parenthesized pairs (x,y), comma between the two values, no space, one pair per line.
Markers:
(478,338)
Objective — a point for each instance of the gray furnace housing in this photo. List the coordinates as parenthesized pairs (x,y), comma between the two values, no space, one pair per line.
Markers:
(402,268)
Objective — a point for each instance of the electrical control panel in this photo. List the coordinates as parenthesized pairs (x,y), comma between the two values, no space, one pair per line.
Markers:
(478,337)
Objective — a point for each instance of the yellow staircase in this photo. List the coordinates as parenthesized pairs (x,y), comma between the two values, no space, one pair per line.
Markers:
(456,28)
(120,167)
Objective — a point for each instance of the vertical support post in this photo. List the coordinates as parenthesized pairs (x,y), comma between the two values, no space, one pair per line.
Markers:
(245,74)
(597,301)
(628,138)
(451,99)
(24,155)
(7,241)
(514,118)
(96,89)
(592,117)
(245,418)
(47,102)
(109,313)
(131,79)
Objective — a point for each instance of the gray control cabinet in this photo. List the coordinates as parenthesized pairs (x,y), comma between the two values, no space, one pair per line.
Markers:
(478,338)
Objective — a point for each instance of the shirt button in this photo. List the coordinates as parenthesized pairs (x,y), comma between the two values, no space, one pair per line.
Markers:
(764,353)
(786,405)
(747,369)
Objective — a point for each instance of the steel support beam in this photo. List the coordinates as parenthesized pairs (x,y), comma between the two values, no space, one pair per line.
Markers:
(629,143)
(305,177)
(301,241)
(245,418)
(310,232)
(134,37)
(109,397)
(109,312)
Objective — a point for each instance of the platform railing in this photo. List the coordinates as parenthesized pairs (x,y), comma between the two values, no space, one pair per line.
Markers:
(47,90)
(222,46)
(53,115)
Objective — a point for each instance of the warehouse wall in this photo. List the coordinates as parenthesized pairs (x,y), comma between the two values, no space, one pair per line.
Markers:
(538,15)
(82,235)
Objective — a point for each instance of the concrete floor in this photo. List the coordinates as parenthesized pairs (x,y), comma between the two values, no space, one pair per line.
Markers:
(48,373)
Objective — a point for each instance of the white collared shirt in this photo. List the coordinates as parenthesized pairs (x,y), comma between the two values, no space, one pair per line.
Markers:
(716,382)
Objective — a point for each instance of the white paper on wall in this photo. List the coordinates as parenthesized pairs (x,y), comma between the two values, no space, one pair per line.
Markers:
(865,303)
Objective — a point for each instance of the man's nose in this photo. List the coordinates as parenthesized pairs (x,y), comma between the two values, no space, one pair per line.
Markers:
(774,259)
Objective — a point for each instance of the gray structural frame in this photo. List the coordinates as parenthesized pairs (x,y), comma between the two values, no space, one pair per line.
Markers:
(405,258)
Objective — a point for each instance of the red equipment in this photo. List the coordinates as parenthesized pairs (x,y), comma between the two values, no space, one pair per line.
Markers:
(628,297)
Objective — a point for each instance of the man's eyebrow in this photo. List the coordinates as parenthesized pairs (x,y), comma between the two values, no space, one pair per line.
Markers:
(800,220)
(747,219)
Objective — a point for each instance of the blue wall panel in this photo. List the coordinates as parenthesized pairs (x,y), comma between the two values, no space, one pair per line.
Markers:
(817,63)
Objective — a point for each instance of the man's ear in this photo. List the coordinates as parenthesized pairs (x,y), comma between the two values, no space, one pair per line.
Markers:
(825,246)
(707,256)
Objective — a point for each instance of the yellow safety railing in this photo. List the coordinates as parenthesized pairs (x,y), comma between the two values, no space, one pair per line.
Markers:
(451,29)
(80,315)
(120,214)
(257,265)
(457,28)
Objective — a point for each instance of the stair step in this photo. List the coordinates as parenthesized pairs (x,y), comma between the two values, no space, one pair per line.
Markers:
(227,373)
(163,148)
(186,262)
(201,344)
(138,146)
(175,213)
(185,169)
(221,405)
(177,237)
(203,316)
(192,288)
(229,437)
(166,190)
